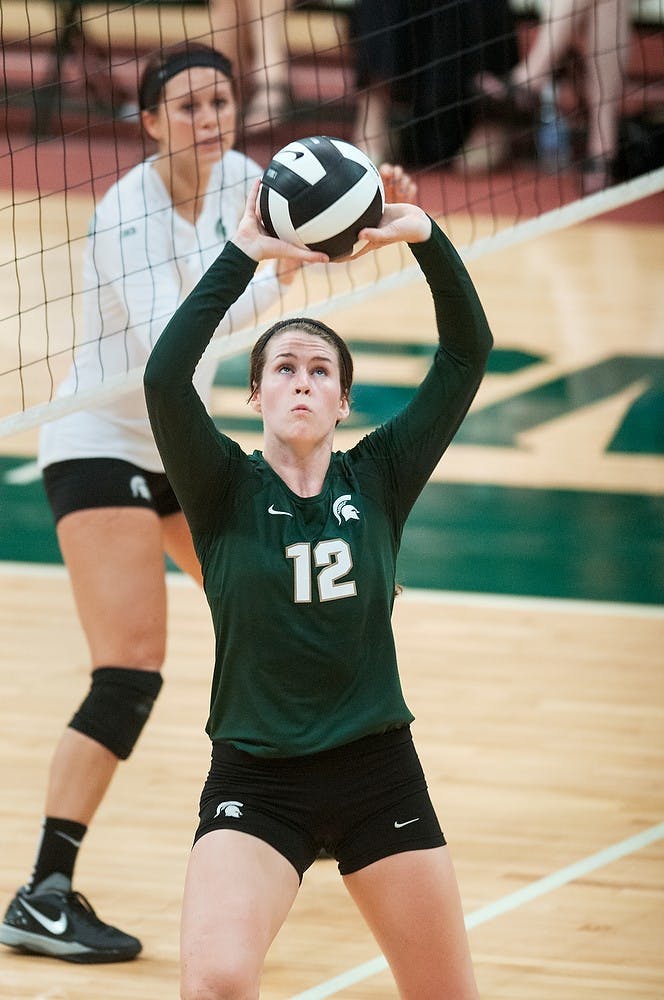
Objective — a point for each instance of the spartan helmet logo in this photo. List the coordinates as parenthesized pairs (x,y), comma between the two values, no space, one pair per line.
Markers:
(342,509)
(139,488)
(232,809)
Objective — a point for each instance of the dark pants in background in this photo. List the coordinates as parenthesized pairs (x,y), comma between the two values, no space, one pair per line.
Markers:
(428,54)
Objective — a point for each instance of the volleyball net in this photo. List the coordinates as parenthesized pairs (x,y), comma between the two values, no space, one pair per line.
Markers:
(496,164)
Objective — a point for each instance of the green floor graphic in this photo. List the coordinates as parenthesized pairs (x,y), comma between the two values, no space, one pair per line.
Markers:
(641,429)
(476,538)
(488,538)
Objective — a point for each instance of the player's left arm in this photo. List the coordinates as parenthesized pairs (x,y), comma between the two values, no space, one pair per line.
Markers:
(409,446)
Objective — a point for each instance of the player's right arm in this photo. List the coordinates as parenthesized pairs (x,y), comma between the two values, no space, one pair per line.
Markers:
(196,456)
(132,283)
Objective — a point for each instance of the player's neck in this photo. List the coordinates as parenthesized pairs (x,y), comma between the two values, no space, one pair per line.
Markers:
(303,472)
(187,197)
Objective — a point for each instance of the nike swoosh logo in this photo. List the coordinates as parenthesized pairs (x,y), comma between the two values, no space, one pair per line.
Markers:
(295,153)
(56,927)
(65,836)
(397,826)
(271,510)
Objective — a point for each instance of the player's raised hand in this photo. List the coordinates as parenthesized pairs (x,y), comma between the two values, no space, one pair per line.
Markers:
(254,240)
(398,185)
(400,223)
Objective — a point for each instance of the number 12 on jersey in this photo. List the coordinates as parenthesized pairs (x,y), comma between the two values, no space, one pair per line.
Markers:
(328,562)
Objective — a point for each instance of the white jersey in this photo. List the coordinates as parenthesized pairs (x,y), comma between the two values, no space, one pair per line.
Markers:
(141,260)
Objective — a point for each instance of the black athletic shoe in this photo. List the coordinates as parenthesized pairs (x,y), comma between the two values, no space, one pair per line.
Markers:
(53,920)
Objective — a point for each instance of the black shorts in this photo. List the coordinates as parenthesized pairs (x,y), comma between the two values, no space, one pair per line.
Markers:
(360,802)
(81,483)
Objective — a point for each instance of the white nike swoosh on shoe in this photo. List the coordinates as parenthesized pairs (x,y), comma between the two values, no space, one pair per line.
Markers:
(56,927)
(397,825)
(271,510)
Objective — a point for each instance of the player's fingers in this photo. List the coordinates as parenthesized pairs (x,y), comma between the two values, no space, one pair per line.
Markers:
(252,200)
(379,237)
(292,252)
(399,186)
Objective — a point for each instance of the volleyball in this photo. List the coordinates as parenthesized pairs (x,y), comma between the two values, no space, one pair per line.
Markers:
(319,193)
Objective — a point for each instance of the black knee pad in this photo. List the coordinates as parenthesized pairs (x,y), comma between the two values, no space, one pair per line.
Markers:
(117,707)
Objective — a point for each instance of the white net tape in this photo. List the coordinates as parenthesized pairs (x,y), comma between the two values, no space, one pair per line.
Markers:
(559,218)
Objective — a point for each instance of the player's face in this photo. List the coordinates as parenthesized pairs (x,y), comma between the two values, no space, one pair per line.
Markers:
(300,395)
(196,117)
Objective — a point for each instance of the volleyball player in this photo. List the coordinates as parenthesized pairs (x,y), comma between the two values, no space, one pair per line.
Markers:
(311,742)
(153,235)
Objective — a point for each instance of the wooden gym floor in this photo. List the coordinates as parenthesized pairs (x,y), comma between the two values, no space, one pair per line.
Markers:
(540,728)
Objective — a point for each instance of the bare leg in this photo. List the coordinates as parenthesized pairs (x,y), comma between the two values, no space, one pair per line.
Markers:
(253,34)
(561,23)
(371,131)
(80,773)
(269,83)
(608,50)
(230,34)
(116,565)
(268,41)
(557,30)
(411,903)
(238,892)
(180,547)
(228,26)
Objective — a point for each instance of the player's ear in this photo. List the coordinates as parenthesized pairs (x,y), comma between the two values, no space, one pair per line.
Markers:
(255,401)
(151,124)
(344,409)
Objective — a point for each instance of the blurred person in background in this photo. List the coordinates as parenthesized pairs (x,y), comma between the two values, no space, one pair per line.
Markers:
(153,235)
(253,33)
(416,64)
(602,29)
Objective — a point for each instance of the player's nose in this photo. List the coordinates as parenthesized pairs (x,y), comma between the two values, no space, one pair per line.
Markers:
(302,382)
(208,116)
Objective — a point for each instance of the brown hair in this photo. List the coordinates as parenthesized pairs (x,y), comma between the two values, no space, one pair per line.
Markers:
(306,325)
(166,63)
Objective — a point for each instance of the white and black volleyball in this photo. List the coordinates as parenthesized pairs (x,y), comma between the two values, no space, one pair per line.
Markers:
(319,193)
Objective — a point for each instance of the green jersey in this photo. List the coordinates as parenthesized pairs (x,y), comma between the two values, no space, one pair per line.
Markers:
(301,589)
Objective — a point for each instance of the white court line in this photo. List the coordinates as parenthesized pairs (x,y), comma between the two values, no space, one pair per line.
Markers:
(452,597)
(20,475)
(510,902)
(449,597)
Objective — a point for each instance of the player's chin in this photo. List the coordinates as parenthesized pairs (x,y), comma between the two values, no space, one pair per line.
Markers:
(303,425)
(210,150)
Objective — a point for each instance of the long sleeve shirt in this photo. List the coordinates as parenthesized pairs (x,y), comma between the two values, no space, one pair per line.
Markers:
(301,589)
(142,258)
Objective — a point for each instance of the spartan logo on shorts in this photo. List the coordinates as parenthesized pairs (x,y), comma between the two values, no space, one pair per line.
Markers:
(231,809)
(341,508)
(139,488)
